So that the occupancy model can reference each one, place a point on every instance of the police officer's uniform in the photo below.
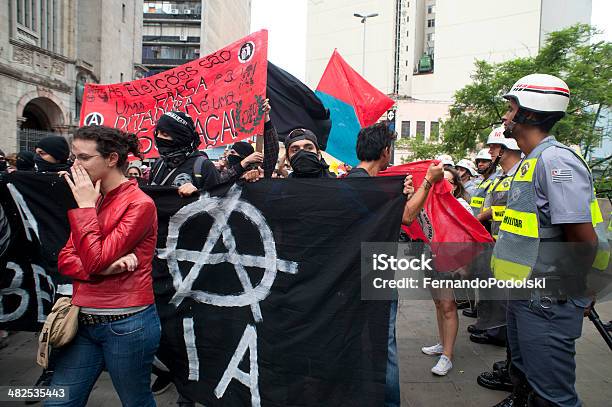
(553, 186)
(478, 198)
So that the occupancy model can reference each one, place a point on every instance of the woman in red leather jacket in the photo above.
(109, 255)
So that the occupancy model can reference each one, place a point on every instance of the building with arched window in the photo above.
(49, 49)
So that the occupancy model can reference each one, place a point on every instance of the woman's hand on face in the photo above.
(85, 193)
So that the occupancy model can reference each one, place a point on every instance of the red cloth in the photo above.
(125, 222)
(450, 221)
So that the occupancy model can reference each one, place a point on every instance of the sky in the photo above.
(285, 21)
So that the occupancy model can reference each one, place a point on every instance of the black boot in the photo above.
(520, 390)
(496, 380)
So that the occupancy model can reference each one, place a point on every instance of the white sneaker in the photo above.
(442, 367)
(434, 350)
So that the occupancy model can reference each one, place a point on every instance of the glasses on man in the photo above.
(82, 157)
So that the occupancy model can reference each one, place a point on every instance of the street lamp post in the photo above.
(364, 17)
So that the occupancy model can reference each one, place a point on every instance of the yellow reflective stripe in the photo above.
(495, 237)
(507, 270)
(520, 223)
(498, 213)
(525, 170)
(484, 184)
(596, 216)
(476, 202)
(503, 186)
(602, 259)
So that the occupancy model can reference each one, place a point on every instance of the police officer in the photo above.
(486, 168)
(508, 155)
(551, 199)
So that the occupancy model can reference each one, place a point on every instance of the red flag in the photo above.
(342, 82)
(223, 93)
(446, 221)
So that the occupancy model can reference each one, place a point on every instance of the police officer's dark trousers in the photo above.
(542, 337)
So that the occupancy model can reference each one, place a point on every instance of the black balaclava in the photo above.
(305, 164)
(184, 141)
(243, 149)
(57, 147)
(25, 161)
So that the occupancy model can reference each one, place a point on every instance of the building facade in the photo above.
(422, 51)
(176, 32)
(49, 49)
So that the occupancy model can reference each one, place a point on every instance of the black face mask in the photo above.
(233, 160)
(45, 166)
(306, 164)
(172, 153)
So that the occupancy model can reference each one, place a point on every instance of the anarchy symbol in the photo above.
(220, 209)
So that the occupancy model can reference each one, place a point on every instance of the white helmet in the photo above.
(446, 159)
(468, 165)
(483, 155)
(497, 137)
(540, 93)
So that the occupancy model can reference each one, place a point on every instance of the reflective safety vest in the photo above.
(477, 200)
(520, 233)
(499, 198)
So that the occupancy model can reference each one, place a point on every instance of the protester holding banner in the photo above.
(180, 163)
(304, 155)
(108, 255)
(52, 154)
(374, 152)
(242, 161)
(444, 298)
(25, 161)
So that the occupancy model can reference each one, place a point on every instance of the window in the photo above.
(406, 79)
(123, 13)
(38, 22)
(430, 37)
(430, 9)
(406, 62)
(121, 77)
(434, 131)
(431, 23)
(407, 33)
(406, 47)
(405, 129)
(420, 130)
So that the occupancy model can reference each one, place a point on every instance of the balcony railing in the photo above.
(164, 16)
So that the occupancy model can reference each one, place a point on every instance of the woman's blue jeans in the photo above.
(125, 348)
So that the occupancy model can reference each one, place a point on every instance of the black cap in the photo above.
(300, 134)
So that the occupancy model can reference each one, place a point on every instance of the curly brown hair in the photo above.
(110, 140)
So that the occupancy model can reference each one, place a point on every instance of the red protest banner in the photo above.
(223, 93)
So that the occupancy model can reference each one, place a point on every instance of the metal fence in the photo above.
(28, 138)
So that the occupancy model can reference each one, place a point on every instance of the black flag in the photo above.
(295, 105)
(257, 287)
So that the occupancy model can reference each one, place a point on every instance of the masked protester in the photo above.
(180, 163)
(241, 159)
(52, 154)
(25, 161)
(302, 151)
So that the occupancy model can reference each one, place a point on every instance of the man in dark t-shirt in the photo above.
(374, 152)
